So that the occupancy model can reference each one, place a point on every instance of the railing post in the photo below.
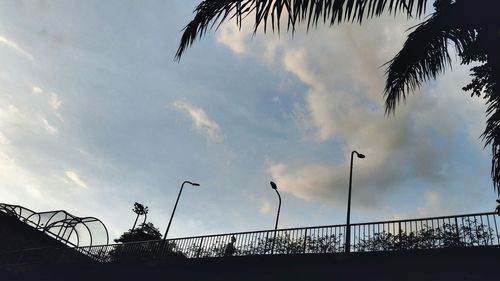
(163, 247)
(101, 250)
(347, 238)
(458, 231)
(399, 236)
(305, 241)
(200, 247)
(274, 242)
(266, 241)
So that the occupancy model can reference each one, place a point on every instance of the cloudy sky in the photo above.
(95, 114)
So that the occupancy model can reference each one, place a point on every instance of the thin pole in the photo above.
(275, 187)
(175, 206)
(135, 221)
(348, 224)
(279, 207)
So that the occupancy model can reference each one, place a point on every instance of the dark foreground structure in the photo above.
(445, 248)
(438, 264)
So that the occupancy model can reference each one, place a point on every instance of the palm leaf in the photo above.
(425, 54)
(491, 136)
(210, 13)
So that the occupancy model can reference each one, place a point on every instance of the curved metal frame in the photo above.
(34, 214)
(9, 209)
(57, 228)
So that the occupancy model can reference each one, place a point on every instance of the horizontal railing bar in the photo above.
(431, 218)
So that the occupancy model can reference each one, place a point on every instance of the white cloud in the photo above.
(16, 181)
(54, 101)
(50, 129)
(243, 41)
(234, 38)
(14, 46)
(12, 119)
(340, 67)
(202, 122)
(52, 98)
(36, 90)
(76, 178)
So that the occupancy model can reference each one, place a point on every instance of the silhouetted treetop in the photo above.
(145, 231)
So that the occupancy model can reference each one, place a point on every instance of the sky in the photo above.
(95, 115)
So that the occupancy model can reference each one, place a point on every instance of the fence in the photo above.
(426, 233)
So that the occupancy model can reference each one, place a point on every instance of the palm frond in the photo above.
(490, 81)
(210, 13)
(491, 136)
(425, 55)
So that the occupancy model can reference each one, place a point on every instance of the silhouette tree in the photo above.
(471, 25)
(152, 246)
(145, 232)
(140, 210)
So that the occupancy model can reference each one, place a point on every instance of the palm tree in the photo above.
(472, 26)
(140, 210)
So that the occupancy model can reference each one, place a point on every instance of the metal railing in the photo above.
(425, 233)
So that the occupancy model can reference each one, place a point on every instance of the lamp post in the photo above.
(175, 206)
(348, 224)
(275, 187)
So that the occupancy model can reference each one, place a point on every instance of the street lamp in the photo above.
(348, 225)
(175, 206)
(275, 187)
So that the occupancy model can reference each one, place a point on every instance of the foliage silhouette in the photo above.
(145, 231)
(432, 233)
(471, 25)
(150, 246)
(283, 244)
(470, 233)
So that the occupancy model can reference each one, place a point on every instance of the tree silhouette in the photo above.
(472, 26)
(151, 246)
(469, 233)
(140, 210)
(145, 232)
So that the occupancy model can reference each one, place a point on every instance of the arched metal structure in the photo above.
(69, 229)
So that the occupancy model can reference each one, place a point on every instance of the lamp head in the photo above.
(359, 155)
(195, 184)
(274, 186)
